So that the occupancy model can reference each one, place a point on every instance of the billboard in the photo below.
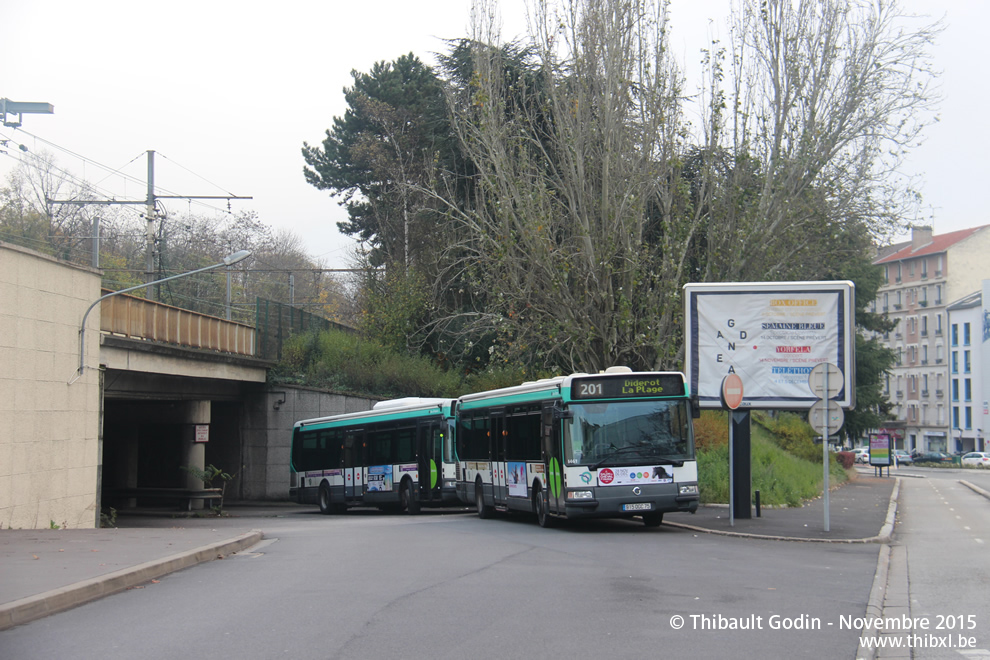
(770, 334)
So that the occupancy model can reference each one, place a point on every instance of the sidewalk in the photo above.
(860, 511)
(47, 571)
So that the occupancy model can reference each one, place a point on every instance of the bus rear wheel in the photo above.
(484, 511)
(409, 502)
(326, 508)
(654, 519)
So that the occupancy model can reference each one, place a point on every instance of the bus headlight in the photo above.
(580, 495)
(689, 490)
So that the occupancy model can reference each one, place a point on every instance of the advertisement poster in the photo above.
(379, 478)
(771, 335)
(516, 479)
(880, 450)
(622, 476)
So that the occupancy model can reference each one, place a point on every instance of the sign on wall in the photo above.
(770, 334)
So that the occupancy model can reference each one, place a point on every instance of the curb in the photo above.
(874, 606)
(883, 537)
(975, 488)
(32, 608)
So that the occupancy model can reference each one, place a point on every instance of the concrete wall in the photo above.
(267, 435)
(50, 452)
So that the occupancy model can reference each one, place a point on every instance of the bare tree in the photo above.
(825, 98)
(595, 204)
(570, 236)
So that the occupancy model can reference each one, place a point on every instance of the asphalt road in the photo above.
(454, 586)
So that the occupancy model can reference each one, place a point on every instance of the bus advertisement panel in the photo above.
(398, 455)
(618, 444)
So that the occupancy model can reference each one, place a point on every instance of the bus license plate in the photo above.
(643, 506)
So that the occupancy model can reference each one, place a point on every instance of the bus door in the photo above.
(498, 438)
(353, 461)
(552, 459)
(430, 452)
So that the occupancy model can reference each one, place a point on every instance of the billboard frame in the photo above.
(744, 310)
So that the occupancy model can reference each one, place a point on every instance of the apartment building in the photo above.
(968, 412)
(923, 277)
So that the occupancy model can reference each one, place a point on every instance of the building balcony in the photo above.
(900, 394)
(924, 394)
(939, 394)
(923, 303)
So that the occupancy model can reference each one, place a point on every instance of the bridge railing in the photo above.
(137, 318)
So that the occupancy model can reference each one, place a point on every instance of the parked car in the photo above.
(932, 457)
(903, 458)
(976, 459)
(861, 455)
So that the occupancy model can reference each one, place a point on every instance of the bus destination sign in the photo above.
(626, 387)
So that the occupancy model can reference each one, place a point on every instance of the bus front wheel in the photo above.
(326, 508)
(540, 506)
(654, 519)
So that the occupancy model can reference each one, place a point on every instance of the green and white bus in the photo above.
(614, 445)
(398, 455)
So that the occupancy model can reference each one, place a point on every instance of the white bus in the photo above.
(613, 445)
(399, 455)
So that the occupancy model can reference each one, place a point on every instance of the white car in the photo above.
(861, 455)
(976, 459)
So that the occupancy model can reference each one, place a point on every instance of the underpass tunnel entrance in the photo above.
(152, 451)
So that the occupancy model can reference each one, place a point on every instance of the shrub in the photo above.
(711, 430)
(846, 459)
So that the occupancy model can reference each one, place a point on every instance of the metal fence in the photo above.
(276, 322)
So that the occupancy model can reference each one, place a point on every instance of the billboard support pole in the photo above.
(825, 451)
(740, 457)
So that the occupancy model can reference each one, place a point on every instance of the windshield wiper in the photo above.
(629, 448)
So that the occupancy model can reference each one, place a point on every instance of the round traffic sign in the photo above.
(817, 418)
(817, 377)
(732, 391)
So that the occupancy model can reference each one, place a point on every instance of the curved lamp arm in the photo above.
(229, 260)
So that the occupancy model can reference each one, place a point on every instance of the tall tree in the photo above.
(593, 208)
(380, 153)
(572, 166)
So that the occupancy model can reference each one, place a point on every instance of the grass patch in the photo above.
(781, 477)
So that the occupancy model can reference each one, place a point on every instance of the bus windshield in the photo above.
(628, 433)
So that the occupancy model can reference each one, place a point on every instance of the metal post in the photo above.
(825, 450)
(228, 293)
(149, 257)
(96, 242)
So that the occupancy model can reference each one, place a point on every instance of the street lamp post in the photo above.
(229, 260)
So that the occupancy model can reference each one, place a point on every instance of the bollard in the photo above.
(757, 504)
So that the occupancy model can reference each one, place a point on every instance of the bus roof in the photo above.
(551, 387)
(394, 408)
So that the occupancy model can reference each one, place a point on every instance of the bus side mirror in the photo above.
(695, 409)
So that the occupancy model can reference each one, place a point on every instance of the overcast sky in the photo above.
(226, 93)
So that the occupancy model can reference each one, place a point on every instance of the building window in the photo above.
(955, 389)
(955, 417)
(966, 364)
(969, 418)
(968, 390)
(955, 362)
(954, 337)
(965, 334)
